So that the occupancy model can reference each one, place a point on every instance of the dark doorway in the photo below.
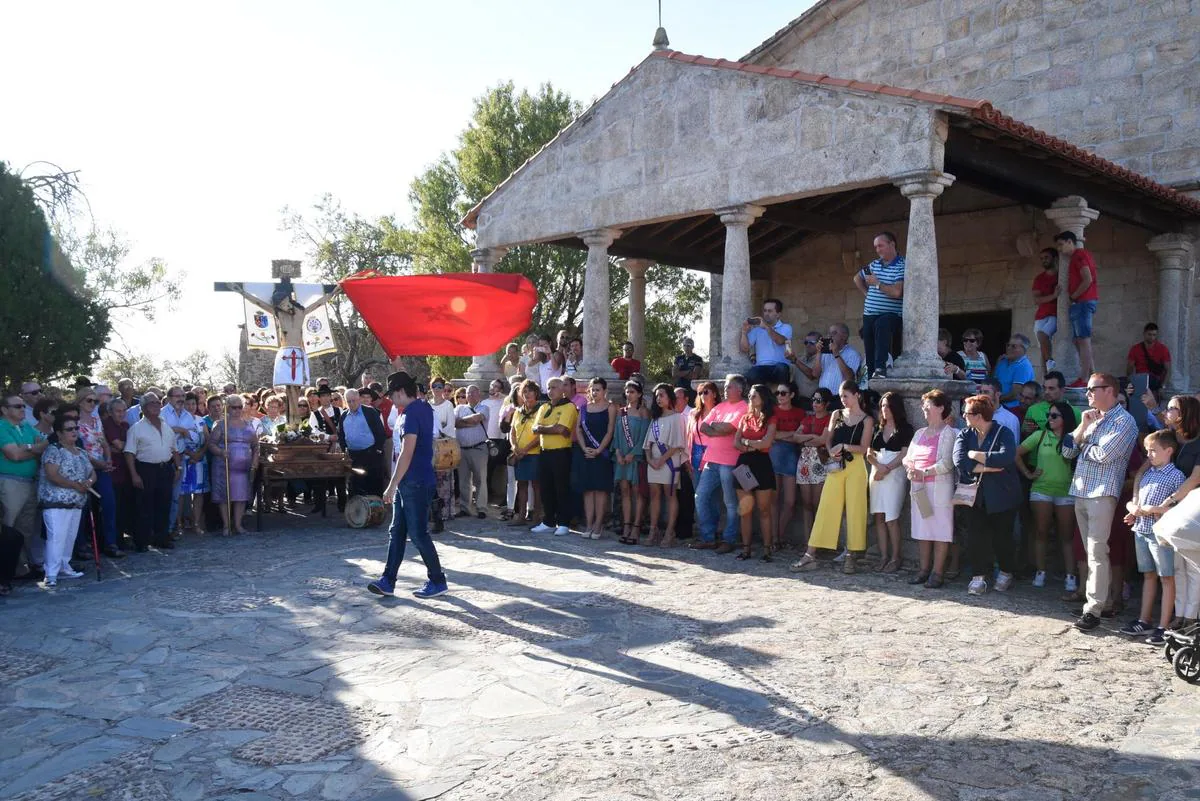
(995, 325)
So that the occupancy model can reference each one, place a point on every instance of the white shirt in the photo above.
(443, 417)
(831, 372)
(183, 419)
(491, 407)
(472, 435)
(546, 371)
(150, 444)
(1009, 420)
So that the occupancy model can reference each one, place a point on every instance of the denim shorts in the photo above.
(1065, 500)
(784, 456)
(1153, 557)
(1047, 326)
(1081, 318)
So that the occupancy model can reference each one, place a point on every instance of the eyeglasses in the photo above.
(438, 386)
(1090, 390)
(66, 429)
(810, 342)
(305, 405)
(818, 399)
(970, 339)
(708, 392)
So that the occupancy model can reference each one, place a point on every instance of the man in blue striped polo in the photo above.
(882, 282)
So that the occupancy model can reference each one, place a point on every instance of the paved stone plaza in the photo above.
(558, 668)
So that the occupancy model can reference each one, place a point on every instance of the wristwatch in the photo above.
(1172, 501)
(28, 448)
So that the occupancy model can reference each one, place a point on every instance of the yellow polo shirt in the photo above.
(562, 413)
(522, 428)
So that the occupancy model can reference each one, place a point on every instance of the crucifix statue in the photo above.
(290, 319)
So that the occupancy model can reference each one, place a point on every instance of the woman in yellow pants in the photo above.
(847, 438)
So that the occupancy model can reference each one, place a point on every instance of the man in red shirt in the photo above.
(625, 364)
(1084, 293)
(1045, 295)
(1150, 356)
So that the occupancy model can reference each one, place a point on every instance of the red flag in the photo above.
(453, 314)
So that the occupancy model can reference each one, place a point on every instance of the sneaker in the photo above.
(1087, 621)
(1135, 629)
(1003, 581)
(879, 373)
(70, 573)
(48, 582)
(382, 586)
(432, 590)
(841, 556)
(1078, 612)
(1051, 365)
(1156, 638)
(562, 531)
(541, 528)
(978, 586)
(1071, 584)
(1039, 579)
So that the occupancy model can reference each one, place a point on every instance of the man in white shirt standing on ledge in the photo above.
(882, 284)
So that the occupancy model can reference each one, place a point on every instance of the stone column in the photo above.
(1068, 214)
(597, 305)
(919, 358)
(486, 366)
(1174, 254)
(715, 285)
(735, 285)
(637, 303)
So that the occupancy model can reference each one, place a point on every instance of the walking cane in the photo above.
(95, 542)
(228, 488)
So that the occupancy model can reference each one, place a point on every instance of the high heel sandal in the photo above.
(891, 566)
(626, 538)
(668, 540)
(768, 554)
(744, 554)
(654, 538)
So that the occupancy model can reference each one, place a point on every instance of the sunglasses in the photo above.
(305, 405)
(1054, 416)
(810, 342)
(818, 399)
(782, 392)
(970, 339)
(438, 386)
(67, 429)
(1090, 390)
(708, 392)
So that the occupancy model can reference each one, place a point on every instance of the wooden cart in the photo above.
(281, 463)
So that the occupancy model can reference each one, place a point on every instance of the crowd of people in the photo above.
(1012, 483)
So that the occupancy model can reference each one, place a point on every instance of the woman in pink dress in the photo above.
(930, 466)
(238, 450)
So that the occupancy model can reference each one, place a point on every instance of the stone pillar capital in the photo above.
(1171, 250)
(484, 259)
(636, 267)
(600, 237)
(923, 183)
(744, 214)
(1071, 213)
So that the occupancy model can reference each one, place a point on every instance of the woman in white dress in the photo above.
(664, 449)
(930, 466)
(889, 484)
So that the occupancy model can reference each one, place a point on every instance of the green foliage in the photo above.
(138, 367)
(53, 325)
(122, 288)
(341, 244)
(506, 129)
(448, 367)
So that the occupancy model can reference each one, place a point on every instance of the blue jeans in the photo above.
(878, 331)
(410, 520)
(769, 374)
(714, 477)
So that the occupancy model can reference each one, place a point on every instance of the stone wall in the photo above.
(674, 139)
(980, 269)
(1120, 77)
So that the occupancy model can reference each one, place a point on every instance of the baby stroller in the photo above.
(1180, 528)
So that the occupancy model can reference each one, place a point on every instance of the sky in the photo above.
(194, 125)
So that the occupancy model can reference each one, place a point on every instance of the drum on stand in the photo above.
(446, 453)
(364, 511)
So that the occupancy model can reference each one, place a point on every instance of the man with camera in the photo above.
(769, 338)
(839, 360)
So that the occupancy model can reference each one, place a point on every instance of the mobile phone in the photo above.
(753, 321)
(826, 345)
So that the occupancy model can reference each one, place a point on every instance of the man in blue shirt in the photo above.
(1013, 370)
(361, 434)
(769, 338)
(411, 489)
(882, 284)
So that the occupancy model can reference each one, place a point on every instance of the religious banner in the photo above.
(318, 336)
(291, 368)
(453, 314)
(262, 332)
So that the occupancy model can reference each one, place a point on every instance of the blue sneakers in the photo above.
(381, 586)
(431, 590)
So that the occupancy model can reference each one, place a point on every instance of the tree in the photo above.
(54, 326)
(122, 288)
(137, 367)
(341, 244)
(506, 129)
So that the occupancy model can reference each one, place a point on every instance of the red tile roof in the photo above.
(980, 111)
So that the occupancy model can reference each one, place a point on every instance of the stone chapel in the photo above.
(974, 129)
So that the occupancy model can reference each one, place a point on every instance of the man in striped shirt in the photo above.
(1103, 441)
(882, 283)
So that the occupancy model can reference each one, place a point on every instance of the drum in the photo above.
(446, 454)
(364, 511)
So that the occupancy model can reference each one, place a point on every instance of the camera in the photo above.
(753, 321)
(826, 345)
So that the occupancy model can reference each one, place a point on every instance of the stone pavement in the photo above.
(258, 667)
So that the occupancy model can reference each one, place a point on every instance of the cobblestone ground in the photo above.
(559, 668)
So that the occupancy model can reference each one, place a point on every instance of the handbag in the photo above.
(744, 476)
(967, 494)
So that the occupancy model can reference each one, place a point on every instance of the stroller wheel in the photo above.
(1170, 648)
(1187, 664)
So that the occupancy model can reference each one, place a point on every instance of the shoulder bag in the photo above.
(967, 494)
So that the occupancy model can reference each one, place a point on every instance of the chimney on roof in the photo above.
(661, 42)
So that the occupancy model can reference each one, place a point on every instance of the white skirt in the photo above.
(887, 494)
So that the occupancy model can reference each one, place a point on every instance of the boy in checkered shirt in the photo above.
(1156, 481)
